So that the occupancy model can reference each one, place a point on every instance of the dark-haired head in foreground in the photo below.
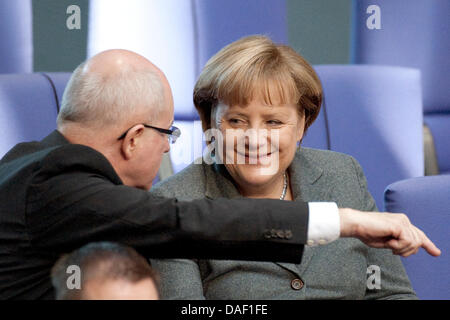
(107, 271)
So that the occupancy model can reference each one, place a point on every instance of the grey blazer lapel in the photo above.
(219, 183)
(308, 184)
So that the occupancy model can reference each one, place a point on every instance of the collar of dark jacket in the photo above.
(101, 163)
(54, 139)
(304, 174)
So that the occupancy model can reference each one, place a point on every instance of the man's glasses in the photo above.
(173, 133)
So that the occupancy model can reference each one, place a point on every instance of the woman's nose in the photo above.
(256, 138)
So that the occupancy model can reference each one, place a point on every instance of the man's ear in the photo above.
(130, 143)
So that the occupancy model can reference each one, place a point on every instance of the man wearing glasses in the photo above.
(173, 133)
(88, 181)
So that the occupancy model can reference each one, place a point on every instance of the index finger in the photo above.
(428, 245)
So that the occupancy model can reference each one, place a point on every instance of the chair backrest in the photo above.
(426, 201)
(221, 22)
(439, 125)
(318, 135)
(16, 34)
(374, 114)
(28, 109)
(59, 81)
(414, 40)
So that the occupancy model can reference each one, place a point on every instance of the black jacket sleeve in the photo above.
(75, 203)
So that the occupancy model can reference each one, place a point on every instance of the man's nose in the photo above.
(167, 146)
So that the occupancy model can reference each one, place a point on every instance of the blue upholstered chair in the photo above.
(16, 34)
(318, 134)
(426, 201)
(28, 109)
(58, 80)
(221, 22)
(374, 114)
(414, 33)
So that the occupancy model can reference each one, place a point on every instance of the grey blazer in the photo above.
(338, 270)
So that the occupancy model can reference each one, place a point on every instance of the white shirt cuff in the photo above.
(324, 223)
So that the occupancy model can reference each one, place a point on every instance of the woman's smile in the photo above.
(256, 158)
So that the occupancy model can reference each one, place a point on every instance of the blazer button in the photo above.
(297, 284)
(280, 234)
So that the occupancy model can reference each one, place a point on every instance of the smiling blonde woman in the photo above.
(258, 86)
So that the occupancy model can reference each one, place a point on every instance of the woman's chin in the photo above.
(255, 175)
(262, 170)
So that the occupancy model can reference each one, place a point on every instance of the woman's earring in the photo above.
(299, 144)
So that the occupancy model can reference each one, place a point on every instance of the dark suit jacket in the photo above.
(56, 196)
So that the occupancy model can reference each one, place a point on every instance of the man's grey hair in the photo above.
(94, 99)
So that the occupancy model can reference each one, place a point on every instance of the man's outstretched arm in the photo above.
(86, 207)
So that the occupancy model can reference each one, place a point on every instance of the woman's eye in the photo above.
(274, 122)
(235, 121)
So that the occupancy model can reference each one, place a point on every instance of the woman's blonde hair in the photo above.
(255, 67)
